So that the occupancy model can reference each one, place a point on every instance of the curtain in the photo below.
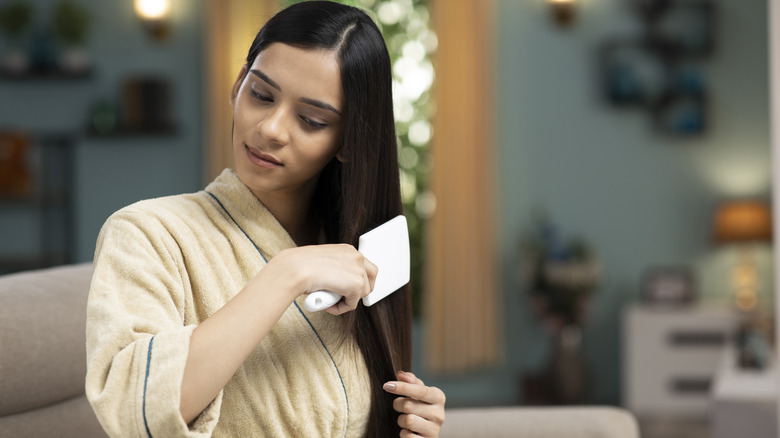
(232, 25)
(462, 293)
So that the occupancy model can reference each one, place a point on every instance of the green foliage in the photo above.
(16, 18)
(71, 22)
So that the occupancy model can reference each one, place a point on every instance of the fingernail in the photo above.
(402, 373)
(389, 386)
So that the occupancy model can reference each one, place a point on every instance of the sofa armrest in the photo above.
(540, 422)
(42, 332)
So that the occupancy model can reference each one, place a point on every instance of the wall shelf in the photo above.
(123, 132)
(39, 200)
(45, 75)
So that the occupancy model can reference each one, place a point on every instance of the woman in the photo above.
(195, 318)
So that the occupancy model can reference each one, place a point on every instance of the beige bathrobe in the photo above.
(164, 265)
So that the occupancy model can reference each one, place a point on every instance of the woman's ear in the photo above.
(237, 84)
(341, 157)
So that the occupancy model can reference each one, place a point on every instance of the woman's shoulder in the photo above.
(166, 209)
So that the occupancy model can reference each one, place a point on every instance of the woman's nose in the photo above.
(273, 126)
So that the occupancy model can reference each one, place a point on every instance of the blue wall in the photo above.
(641, 198)
(111, 173)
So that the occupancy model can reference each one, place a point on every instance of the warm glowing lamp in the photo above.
(155, 15)
(744, 223)
(563, 11)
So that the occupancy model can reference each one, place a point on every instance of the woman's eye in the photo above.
(313, 124)
(259, 96)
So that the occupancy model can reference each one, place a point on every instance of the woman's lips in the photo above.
(262, 160)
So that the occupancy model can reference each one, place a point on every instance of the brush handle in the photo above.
(320, 300)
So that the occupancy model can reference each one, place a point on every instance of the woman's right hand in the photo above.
(213, 358)
(338, 268)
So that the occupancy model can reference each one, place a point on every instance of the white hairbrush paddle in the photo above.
(386, 246)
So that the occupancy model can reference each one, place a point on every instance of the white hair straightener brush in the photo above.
(386, 246)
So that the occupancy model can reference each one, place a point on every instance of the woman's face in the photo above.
(287, 109)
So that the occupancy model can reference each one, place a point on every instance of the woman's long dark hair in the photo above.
(363, 191)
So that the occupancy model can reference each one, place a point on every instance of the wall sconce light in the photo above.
(155, 16)
(744, 223)
(563, 12)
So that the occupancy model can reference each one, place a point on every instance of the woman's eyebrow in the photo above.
(265, 78)
(320, 104)
(306, 100)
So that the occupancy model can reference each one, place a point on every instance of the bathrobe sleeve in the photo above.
(137, 341)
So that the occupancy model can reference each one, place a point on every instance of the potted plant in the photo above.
(71, 25)
(560, 276)
(16, 19)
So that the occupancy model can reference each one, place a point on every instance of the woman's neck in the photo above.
(295, 216)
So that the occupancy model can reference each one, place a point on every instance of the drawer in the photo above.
(670, 358)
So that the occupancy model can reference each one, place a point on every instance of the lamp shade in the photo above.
(743, 221)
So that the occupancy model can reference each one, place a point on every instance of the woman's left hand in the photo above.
(421, 407)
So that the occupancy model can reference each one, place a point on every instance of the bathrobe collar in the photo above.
(260, 226)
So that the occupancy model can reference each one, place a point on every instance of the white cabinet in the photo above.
(670, 357)
(744, 402)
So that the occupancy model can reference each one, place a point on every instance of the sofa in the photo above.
(43, 360)
(42, 369)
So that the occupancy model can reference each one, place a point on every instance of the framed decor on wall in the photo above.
(659, 69)
(687, 28)
(630, 73)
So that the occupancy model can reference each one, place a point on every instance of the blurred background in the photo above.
(587, 181)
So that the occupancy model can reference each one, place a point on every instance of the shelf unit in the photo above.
(51, 201)
(44, 74)
(39, 230)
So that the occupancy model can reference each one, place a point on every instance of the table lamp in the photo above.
(744, 223)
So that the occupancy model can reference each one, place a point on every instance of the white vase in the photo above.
(15, 61)
(74, 60)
